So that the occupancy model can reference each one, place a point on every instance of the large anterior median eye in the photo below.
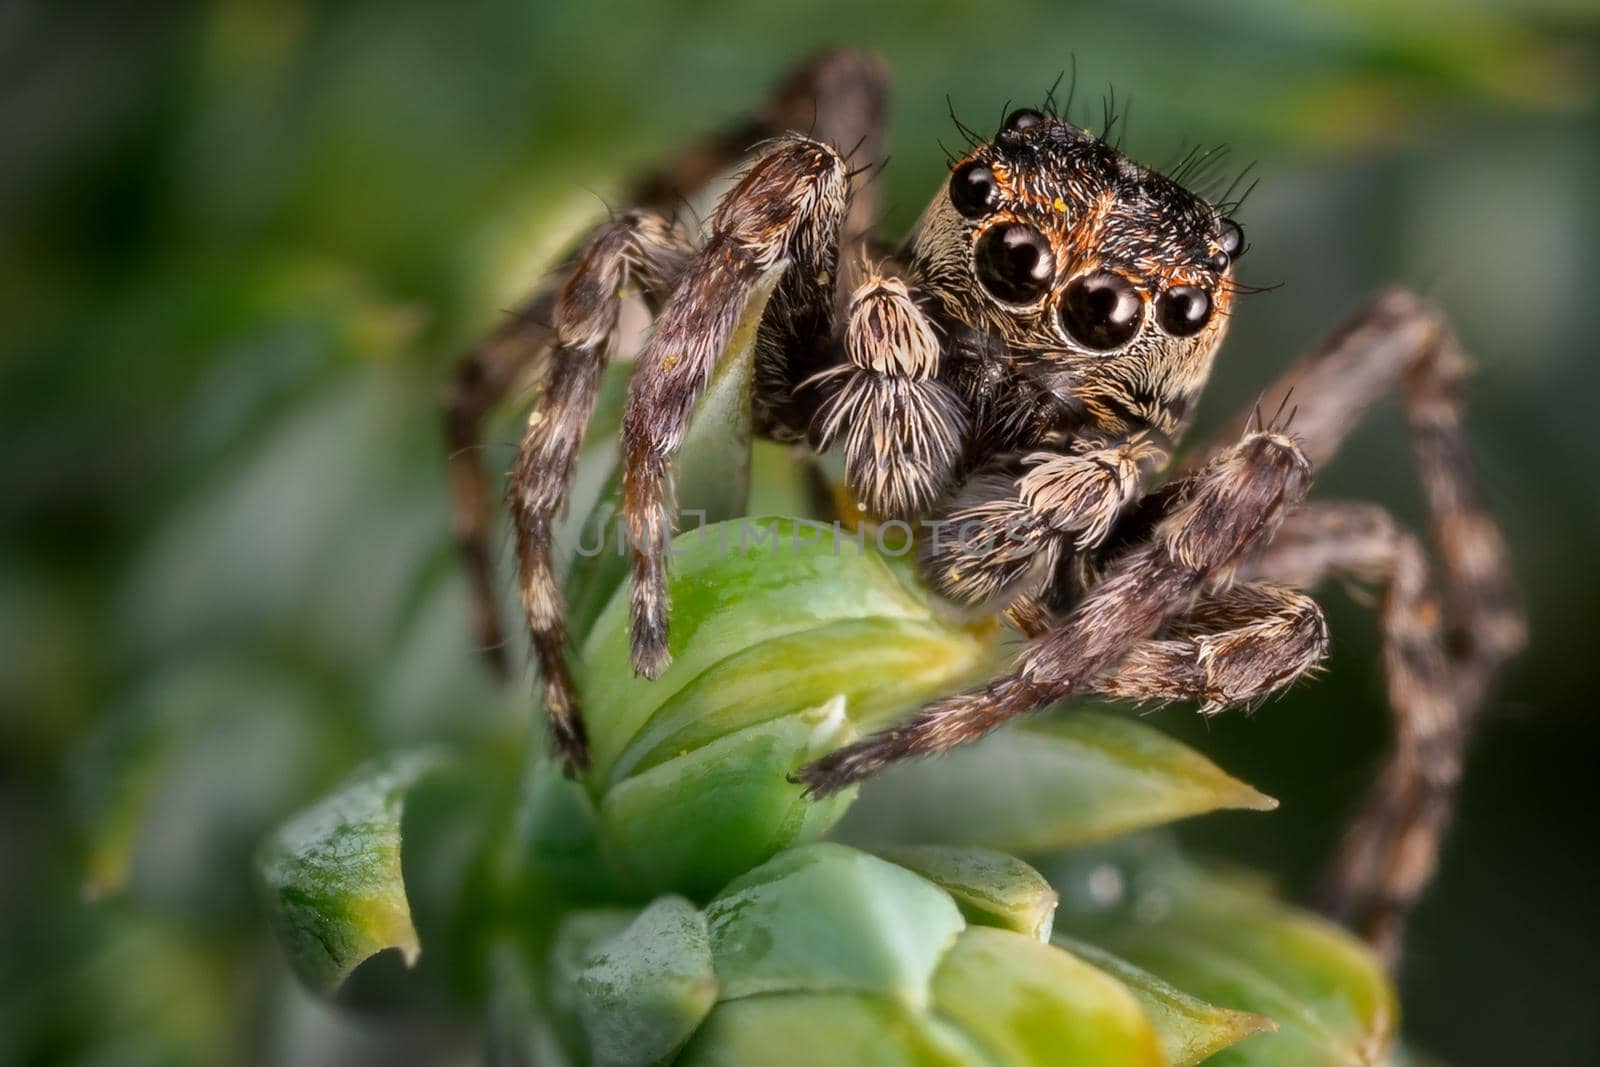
(1184, 310)
(1101, 311)
(1014, 262)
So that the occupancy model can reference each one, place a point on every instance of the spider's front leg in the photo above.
(1237, 647)
(1221, 514)
(784, 213)
(640, 250)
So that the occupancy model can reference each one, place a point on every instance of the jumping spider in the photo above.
(1027, 362)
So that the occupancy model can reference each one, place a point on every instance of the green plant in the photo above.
(678, 904)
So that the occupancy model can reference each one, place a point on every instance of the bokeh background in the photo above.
(241, 242)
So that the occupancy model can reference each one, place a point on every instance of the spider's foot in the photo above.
(570, 741)
(845, 767)
(649, 652)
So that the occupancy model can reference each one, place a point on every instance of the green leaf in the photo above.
(1233, 945)
(807, 1029)
(556, 837)
(1030, 1003)
(692, 823)
(1078, 777)
(750, 598)
(331, 875)
(578, 937)
(876, 666)
(1190, 1028)
(826, 918)
(518, 1031)
(990, 888)
(643, 992)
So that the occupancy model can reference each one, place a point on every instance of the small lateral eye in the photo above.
(1023, 118)
(1101, 311)
(1184, 310)
(1231, 237)
(1015, 263)
(974, 190)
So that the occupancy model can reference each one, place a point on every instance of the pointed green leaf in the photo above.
(808, 1029)
(1079, 777)
(1028, 1003)
(1235, 946)
(772, 585)
(691, 823)
(991, 888)
(824, 918)
(642, 993)
(876, 666)
(1190, 1028)
(331, 876)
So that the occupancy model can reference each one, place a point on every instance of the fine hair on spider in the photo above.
(1025, 362)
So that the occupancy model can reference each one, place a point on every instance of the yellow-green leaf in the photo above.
(1232, 944)
(1028, 1003)
(331, 875)
(991, 888)
(824, 918)
(1077, 777)
(1190, 1028)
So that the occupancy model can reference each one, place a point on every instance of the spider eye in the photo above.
(1102, 311)
(1184, 310)
(974, 190)
(1014, 262)
(1231, 237)
(1023, 118)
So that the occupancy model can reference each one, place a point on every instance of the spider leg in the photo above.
(837, 96)
(481, 378)
(1391, 849)
(1220, 514)
(1238, 646)
(838, 93)
(1440, 671)
(638, 249)
(785, 213)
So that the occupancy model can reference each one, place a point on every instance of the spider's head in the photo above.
(1093, 269)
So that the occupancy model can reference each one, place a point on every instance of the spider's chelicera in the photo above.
(1023, 365)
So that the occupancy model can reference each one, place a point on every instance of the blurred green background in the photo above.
(241, 242)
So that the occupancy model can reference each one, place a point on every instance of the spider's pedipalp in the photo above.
(637, 249)
(903, 430)
(785, 212)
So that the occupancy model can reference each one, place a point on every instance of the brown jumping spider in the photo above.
(1024, 365)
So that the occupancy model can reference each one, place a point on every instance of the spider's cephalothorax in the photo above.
(1107, 283)
(1017, 375)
